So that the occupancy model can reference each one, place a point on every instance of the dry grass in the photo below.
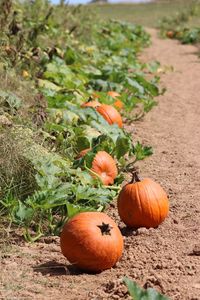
(16, 172)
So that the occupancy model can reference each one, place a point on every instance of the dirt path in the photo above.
(163, 258)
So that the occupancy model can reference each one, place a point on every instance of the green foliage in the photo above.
(9, 101)
(68, 58)
(177, 26)
(138, 293)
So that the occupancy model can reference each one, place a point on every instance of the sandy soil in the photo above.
(166, 258)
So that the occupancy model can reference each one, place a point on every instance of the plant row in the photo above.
(84, 86)
(179, 27)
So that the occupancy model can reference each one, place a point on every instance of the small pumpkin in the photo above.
(83, 153)
(92, 103)
(118, 104)
(110, 114)
(91, 241)
(170, 34)
(104, 165)
(113, 94)
(142, 203)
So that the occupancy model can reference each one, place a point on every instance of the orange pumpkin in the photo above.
(113, 94)
(83, 152)
(93, 103)
(91, 241)
(110, 114)
(118, 104)
(170, 34)
(142, 203)
(104, 165)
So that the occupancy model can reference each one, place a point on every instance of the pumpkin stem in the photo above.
(135, 177)
(105, 228)
(90, 99)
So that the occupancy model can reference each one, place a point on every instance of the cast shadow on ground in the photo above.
(196, 53)
(54, 268)
(127, 231)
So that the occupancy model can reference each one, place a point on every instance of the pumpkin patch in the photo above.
(76, 86)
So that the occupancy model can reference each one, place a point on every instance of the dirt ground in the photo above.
(167, 258)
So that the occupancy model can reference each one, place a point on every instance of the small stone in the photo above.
(164, 152)
(142, 230)
(115, 297)
(196, 285)
(175, 221)
(196, 250)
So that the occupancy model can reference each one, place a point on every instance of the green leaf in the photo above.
(73, 209)
(137, 293)
(88, 158)
(46, 84)
(82, 143)
(141, 151)
(135, 85)
(10, 99)
(122, 146)
(23, 214)
(70, 56)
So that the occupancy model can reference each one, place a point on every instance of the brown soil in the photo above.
(166, 258)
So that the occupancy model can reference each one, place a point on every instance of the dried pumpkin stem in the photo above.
(105, 228)
(135, 177)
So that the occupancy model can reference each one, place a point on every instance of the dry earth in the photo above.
(166, 258)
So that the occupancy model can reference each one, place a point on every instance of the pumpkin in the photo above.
(105, 167)
(110, 114)
(113, 94)
(142, 203)
(118, 104)
(92, 103)
(170, 34)
(91, 241)
(83, 152)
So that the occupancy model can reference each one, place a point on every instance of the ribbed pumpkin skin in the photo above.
(93, 103)
(104, 165)
(84, 245)
(143, 204)
(110, 114)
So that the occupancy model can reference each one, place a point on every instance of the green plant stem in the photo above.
(115, 188)
(31, 239)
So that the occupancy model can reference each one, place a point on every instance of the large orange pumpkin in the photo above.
(104, 165)
(142, 203)
(92, 103)
(110, 114)
(91, 241)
